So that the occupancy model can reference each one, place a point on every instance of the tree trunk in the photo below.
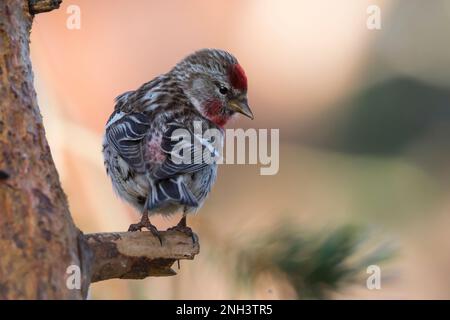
(38, 238)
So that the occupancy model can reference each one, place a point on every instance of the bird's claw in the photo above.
(186, 230)
(138, 226)
(155, 232)
(135, 227)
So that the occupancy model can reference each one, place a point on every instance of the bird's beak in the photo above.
(242, 107)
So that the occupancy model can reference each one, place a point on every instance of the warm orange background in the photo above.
(302, 59)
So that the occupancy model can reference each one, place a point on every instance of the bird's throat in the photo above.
(214, 112)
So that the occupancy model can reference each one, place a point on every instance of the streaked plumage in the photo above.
(137, 143)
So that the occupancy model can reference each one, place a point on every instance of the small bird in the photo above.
(207, 87)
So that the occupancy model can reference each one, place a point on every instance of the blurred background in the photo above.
(364, 121)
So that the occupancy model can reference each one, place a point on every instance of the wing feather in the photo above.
(126, 135)
(186, 151)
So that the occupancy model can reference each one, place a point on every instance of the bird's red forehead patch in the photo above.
(238, 79)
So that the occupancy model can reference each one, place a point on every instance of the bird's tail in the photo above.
(172, 190)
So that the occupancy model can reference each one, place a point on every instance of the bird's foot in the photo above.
(135, 227)
(186, 230)
(146, 224)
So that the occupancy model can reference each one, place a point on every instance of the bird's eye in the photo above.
(223, 90)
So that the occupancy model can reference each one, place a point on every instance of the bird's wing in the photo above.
(125, 132)
(188, 150)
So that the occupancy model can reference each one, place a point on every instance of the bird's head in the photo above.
(215, 83)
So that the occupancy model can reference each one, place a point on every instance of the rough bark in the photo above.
(38, 239)
(39, 6)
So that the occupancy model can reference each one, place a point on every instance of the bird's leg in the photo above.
(145, 223)
(182, 227)
(182, 223)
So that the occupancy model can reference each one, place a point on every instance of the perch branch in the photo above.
(39, 6)
(137, 255)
